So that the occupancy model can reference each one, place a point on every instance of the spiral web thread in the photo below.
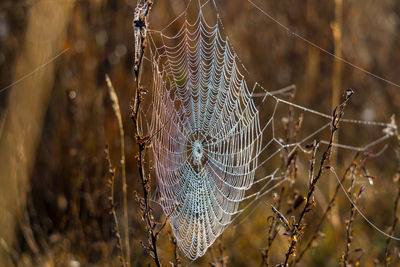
(206, 133)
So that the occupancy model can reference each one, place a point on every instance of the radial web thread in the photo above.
(206, 133)
(205, 156)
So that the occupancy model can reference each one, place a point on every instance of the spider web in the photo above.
(214, 152)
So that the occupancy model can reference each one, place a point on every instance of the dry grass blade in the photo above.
(117, 111)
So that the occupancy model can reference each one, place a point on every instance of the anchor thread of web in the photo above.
(206, 134)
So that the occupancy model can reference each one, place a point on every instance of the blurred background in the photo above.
(56, 118)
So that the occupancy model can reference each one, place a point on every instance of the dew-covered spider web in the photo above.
(217, 137)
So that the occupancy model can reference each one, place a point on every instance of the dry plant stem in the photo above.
(272, 232)
(396, 201)
(111, 182)
(117, 111)
(177, 258)
(351, 169)
(349, 223)
(140, 27)
(337, 32)
(292, 129)
(297, 228)
(219, 260)
(337, 26)
(393, 228)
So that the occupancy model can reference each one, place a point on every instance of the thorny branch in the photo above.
(296, 230)
(140, 25)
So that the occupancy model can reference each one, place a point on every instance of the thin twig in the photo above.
(218, 258)
(272, 231)
(316, 234)
(298, 227)
(349, 223)
(393, 228)
(396, 179)
(140, 24)
(289, 164)
(177, 258)
(110, 183)
(117, 111)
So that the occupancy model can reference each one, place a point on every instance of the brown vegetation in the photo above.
(64, 202)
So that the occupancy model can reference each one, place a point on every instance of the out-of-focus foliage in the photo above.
(66, 219)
